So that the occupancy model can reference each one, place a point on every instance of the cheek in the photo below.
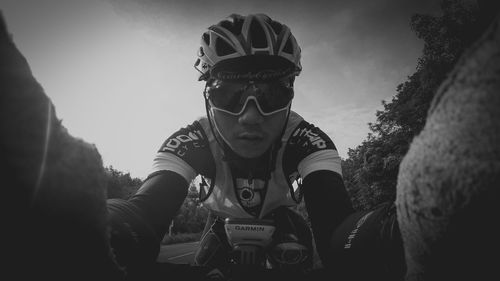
(275, 124)
(224, 123)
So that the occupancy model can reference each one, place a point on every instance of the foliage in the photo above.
(192, 216)
(119, 184)
(371, 169)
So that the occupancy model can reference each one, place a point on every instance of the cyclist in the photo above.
(250, 150)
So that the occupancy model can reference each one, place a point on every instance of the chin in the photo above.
(249, 153)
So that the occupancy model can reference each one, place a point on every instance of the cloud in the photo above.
(121, 72)
(347, 126)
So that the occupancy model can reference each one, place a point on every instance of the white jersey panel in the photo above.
(164, 161)
(320, 160)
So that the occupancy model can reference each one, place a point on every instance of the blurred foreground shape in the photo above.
(449, 181)
(53, 187)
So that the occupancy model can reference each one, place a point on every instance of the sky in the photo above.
(121, 74)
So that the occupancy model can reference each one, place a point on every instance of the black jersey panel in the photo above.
(191, 145)
(304, 140)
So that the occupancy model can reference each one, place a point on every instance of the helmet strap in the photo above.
(277, 144)
(216, 134)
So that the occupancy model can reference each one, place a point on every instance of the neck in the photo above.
(255, 165)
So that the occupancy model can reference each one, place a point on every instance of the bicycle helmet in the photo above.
(251, 47)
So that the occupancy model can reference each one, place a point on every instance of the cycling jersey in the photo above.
(235, 192)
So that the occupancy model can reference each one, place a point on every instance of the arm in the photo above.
(353, 245)
(159, 198)
(311, 153)
(327, 204)
(139, 224)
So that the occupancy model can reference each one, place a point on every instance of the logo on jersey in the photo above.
(180, 144)
(314, 138)
(304, 140)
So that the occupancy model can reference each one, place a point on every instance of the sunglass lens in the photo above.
(231, 96)
(275, 97)
(226, 98)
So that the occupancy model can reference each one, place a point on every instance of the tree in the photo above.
(371, 169)
(192, 216)
(119, 184)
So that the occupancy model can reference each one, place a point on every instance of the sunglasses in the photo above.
(232, 97)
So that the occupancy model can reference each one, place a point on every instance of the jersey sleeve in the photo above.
(186, 152)
(309, 149)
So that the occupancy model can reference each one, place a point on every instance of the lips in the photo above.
(250, 144)
(251, 136)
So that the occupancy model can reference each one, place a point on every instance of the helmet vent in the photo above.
(288, 46)
(222, 48)
(259, 39)
(206, 38)
(233, 26)
(276, 27)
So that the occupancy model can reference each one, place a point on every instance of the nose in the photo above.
(251, 115)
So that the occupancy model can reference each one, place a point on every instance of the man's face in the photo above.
(250, 134)
(250, 115)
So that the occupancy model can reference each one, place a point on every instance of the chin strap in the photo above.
(276, 147)
(211, 123)
(277, 144)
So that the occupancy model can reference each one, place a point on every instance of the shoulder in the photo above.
(306, 137)
(308, 148)
(185, 140)
(190, 146)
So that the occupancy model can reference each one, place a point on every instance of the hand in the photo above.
(134, 243)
